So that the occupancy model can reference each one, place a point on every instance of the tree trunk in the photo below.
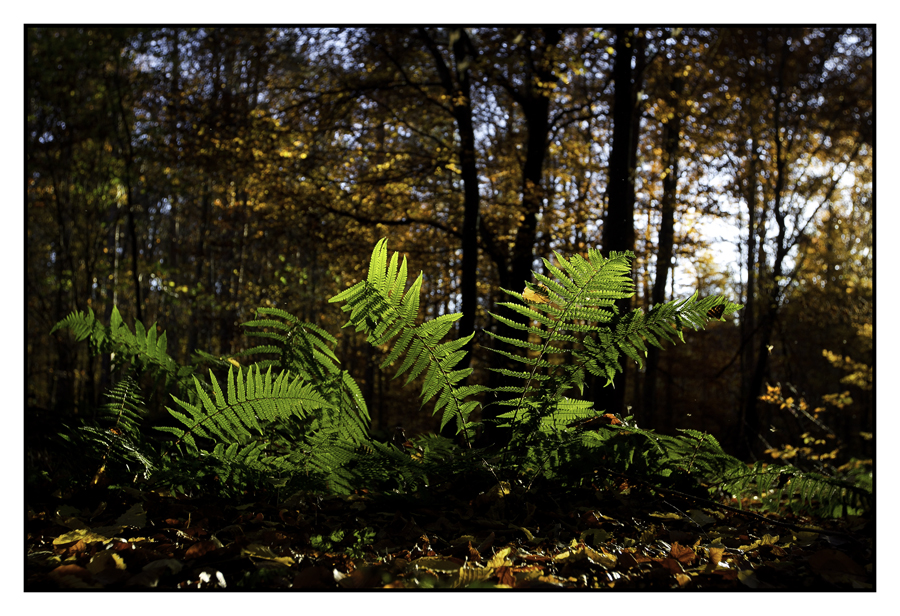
(665, 250)
(535, 104)
(457, 84)
(748, 316)
(462, 112)
(618, 222)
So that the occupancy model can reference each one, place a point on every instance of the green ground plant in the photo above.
(283, 417)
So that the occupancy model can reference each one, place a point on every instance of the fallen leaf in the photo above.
(500, 559)
(505, 577)
(82, 534)
(105, 560)
(667, 515)
(682, 554)
(700, 518)
(70, 570)
(264, 552)
(199, 549)
(76, 549)
(438, 563)
(715, 555)
(72, 576)
(804, 538)
(135, 517)
(671, 565)
(595, 536)
(468, 575)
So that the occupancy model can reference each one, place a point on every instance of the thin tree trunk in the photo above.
(462, 112)
(750, 424)
(748, 316)
(664, 252)
(457, 84)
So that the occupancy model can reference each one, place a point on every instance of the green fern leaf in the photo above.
(231, 419)
(376, 307)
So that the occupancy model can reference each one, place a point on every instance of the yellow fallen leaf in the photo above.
(255, 550)
(82, 534)
(531, 296)
(542, 296)
(467, 575)
(500, 559)
(715, 555)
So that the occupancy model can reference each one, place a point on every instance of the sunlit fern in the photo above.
(379, 307)
(293, 418)
(573, 328)
(306, 350)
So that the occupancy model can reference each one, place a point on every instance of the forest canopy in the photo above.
(187, 176)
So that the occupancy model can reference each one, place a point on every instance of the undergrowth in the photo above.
(283, 417)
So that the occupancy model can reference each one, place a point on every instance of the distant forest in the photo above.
(188, 176)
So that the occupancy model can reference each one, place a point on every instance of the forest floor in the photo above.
(583, 538)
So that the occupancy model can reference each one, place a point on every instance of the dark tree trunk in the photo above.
(457, 85)
(462, 113)
(535, 105)
(664, 253)
(618, 222)
(748, 317)
(195, 324)
(750, 421)
(127, 150)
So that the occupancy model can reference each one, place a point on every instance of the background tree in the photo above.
(789, 85)
(82, 178)
(188, 175)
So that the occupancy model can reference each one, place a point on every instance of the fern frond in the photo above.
(328, 455)
(376, 308)
(250, 402)
(144, 350)
(306, 350)
(124, 410)
(777, 486)
(697, 456)
(574, 312)
(114, 435)
(84, 327)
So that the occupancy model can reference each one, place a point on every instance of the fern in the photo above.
(251, 403)
(377, 308)
(267, 428)
(294, 419)
(574, 329)
(695, 462)
(124, 411)
(303, 349)
(577, 307)
(141, 351)
(115, 434)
